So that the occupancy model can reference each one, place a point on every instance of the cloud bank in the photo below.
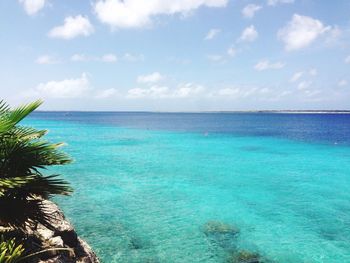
(136, 14)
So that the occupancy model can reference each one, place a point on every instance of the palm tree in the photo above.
(24, 155)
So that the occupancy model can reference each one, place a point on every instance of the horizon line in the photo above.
(214, 111)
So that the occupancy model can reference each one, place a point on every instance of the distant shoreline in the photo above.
(247, 111)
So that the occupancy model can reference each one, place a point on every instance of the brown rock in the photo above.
(43, 233)
(56, 242)
(63, 236)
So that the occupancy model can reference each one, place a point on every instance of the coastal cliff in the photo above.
(61, 243)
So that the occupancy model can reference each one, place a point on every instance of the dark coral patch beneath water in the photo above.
(224, 235)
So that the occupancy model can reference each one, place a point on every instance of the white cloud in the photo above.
(334, 36)
(156, 94)
(135, 13)
(152, 92)
(47, 59)
(275, 2)
(342, 83)
(313, 72)
(301, 31)
(312, 93)
(249, 10)
(32, 6)
(215, 58)
(151, 78)
(192, 91)
(212, 33)
(230, 92)
(68, 88)
(296, 76)
(249, 34)
(347, 60)
(177, 60)
(231, 51)
(266, 64)
(72, 27)
(236, 92)
(109, 58)
(107, 93)
(133, 57)
(79, 58)
(186, 90)
(304, 85)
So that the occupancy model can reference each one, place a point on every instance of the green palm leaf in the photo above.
(10, 118)
(24, 156)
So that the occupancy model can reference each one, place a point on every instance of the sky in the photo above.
(176, 55)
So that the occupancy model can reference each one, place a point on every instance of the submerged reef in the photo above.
(226, 237)
(223, 234)
(245, 256)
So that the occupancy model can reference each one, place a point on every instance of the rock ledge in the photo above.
(62, 236)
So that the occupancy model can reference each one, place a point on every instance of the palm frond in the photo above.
(19, 213)
(27, 133)
(4, 107)
(21, 112)
(34, 185)
(8, 184)
(10, 118)
(24, 155)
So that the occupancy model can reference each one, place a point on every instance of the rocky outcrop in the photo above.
(62, 243)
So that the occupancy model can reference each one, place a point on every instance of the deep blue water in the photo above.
(146, 184)
(328, 128)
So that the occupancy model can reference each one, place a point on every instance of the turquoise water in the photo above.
(144, 195)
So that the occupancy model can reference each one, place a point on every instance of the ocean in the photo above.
(147, 184)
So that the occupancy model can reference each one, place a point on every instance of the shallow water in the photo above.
(146, 184)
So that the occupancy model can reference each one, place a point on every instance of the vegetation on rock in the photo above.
(24, 155)
(31, 227)
(10, 252)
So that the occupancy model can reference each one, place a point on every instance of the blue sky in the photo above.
(176, 55)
